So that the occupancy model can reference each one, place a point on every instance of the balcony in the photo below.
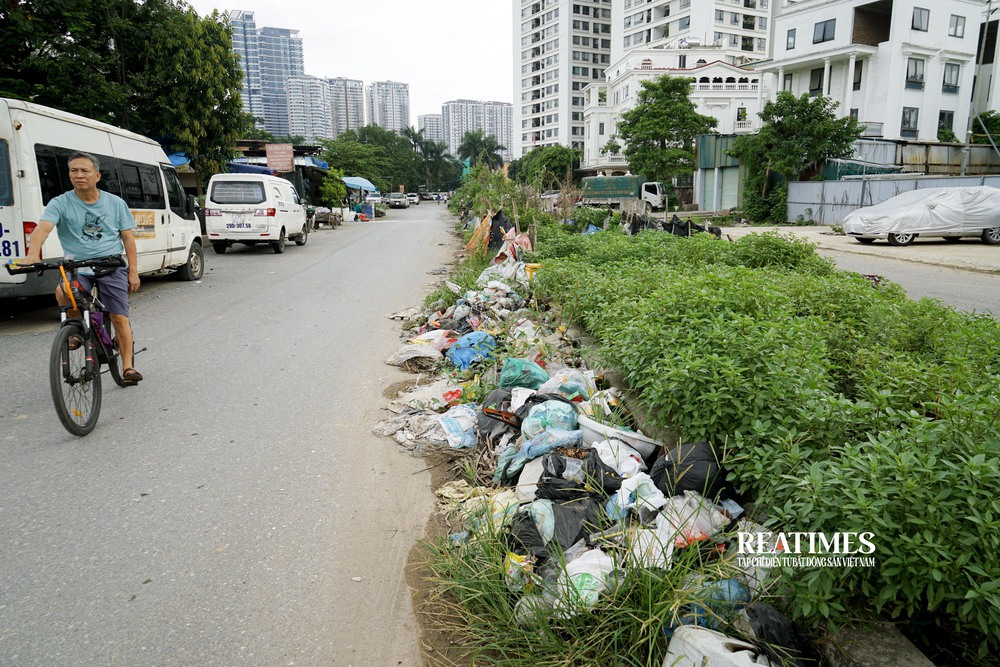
(745, 126)
(734, 87)
(871, 129)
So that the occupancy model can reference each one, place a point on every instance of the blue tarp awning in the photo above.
(241, 168)
(358, 183)
(178, 159)
(316, 162)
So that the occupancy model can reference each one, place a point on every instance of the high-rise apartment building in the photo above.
(560, 47)
(245, 46)
(494, 119)
(309, 107)
(433, 126)
(347, 103)
(280, 57)
(389, 105)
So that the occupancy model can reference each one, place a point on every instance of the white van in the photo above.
(35, 143)
(254, 208)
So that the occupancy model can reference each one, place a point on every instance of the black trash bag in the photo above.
(688, 467)
(495, 418)
(499, 225)
(679, 228)
(523, 537)
(568, 474)
(778, 637)
(574, 521)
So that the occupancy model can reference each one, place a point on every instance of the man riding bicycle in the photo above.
(94, 223)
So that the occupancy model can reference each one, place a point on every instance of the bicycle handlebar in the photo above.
(109, 261)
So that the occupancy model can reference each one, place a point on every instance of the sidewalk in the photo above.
(967, 254)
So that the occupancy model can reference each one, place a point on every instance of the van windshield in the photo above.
(6, 189)
(237, 192)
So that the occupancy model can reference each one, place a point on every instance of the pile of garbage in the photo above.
(578, 494)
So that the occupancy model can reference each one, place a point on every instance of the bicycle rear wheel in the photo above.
(75, 381)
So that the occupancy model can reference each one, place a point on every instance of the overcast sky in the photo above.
(444, 49)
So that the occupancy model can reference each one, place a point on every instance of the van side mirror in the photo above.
(189, 204)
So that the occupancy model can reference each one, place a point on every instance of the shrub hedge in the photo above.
(842, 405)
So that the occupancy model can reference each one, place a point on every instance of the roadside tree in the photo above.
(798, 133)
(480, 148)
(545, 166)
(333, 190)
(659, 133)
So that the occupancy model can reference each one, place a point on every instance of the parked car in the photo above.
(413, 197)
(398, 200)
(427, 196)
(949, 213)
(374, 198)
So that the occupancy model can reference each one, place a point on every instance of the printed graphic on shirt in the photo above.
(92, 227)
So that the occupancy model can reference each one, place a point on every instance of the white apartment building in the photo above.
(560, 47)
(729, 93)
(389, 105)
(347, 104)
(432, 125)
(740, 26)
(493, 119)
(309, 107)
(904, 68)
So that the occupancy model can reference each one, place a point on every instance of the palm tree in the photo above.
(415, 137)
(433, 153)
(478, 148)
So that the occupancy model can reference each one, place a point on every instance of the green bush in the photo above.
(842, 405)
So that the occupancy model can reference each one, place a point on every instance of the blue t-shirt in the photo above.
(89, 230)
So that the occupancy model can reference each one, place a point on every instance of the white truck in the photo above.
(35, 143)
(629, 193)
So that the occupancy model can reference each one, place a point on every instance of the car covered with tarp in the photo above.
(949, 213)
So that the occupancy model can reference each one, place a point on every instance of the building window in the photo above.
(734, 18)
(816, 82)
(741, 114)
(685, 4)
(946, 120)
(682, 62)
(956, 26)
(824, 31)
(761, 44)
(908, 128)
(787, 83)
(921, 19)
(720, 16)
(915, 73)
(600, 129)
(952, 72)
(857, 75)
(854, 113)
(790, 39)
(684, 23)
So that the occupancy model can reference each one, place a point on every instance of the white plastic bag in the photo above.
(582, 582)
(623, 458)
(695, 646)
(691, 518)
(459, 424)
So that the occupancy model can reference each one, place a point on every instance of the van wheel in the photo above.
(304, 236)
(195, 266)
(279, 246)
(219, 247)
(991, 236)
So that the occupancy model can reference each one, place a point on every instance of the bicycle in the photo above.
(85, 341)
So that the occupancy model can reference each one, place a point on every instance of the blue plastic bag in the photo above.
(471, 348)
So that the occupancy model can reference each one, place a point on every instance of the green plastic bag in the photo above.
(522, 373)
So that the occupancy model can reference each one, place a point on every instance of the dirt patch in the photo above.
(439, 648)
(393, 391)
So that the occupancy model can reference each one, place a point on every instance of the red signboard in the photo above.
(280, 157)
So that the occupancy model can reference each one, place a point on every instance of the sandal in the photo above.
(131, 376)
(74, 342)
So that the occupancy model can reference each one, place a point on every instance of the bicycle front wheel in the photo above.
(75, 380)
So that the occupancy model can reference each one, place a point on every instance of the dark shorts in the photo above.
(112, 288)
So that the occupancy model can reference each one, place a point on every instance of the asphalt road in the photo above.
(233, 509)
